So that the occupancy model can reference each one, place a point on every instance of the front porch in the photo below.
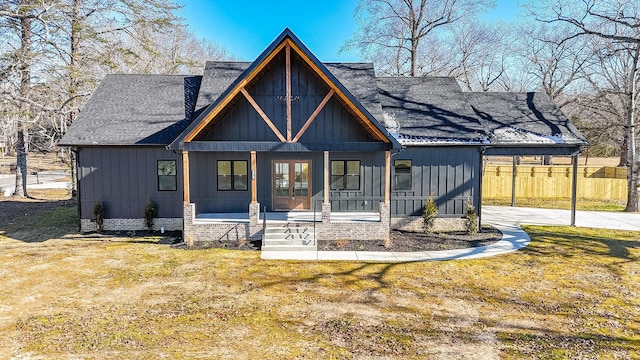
(250, 226)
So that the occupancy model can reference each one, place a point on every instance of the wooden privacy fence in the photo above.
(555, 182)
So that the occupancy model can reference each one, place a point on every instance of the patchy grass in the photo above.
(29, 220)
(559, 203)
(51, 194)
(571, 294)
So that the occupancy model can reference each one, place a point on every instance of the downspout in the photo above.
(574, 186)
(76, 153)
(513, 180)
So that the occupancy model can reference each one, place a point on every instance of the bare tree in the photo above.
(557, 63)
(604, 104)
(176, 52)
(480, 56)
(22, 21)
(399, 30)
(54, 52)
(617, 22)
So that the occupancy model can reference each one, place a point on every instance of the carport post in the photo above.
(513, 181)
(574, 188)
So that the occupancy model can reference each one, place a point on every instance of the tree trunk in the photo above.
(624, 153)
(21, 166)
(633, 168)
(25, 86)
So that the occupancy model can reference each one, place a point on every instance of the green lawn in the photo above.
(571, 294)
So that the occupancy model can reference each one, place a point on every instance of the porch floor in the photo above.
(290, 216)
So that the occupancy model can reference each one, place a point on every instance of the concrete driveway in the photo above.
(44, 180)
(531, 216)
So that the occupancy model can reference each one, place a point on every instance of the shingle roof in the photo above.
(417, 111)
(360, 80)
(217, 77)
(135, 109)
(527, 118)
(428, 111)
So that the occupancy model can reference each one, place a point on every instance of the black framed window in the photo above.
(402, 174)
(345, 175)
(233, 175)
(167, 175)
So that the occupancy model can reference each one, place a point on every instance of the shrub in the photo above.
(149, 215)
(340, 243)
(98, 214)
(472, 218)
(429, 215)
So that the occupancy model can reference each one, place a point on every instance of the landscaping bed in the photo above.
(408, 241)
(401, 241)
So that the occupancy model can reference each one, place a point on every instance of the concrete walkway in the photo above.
(506, 219)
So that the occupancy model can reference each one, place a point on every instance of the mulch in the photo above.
(401, 241)
(408, 241)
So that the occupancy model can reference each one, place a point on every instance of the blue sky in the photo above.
(246, 27)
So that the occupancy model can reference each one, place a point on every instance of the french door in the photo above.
(291, 184)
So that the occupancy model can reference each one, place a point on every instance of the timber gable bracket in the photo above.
(286, 45)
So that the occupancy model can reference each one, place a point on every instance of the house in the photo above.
(285, 133)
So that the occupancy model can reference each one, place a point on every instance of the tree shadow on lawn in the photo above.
(33, 220)
(531, 341)
(578, 243)
(377, 276)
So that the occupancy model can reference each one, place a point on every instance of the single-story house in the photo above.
(288, 133)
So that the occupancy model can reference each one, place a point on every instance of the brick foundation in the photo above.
(195, 231)
(169, 224)
(414, 223)
(353, 230)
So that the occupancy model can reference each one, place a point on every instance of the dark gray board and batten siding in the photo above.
(243, 123)
(208, 199)
(449, 174)
(124, 179)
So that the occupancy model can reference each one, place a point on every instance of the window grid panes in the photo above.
(167, 176)
(233, 175)
(345, 175)
(402, 175)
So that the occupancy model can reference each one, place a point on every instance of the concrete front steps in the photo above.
(289, 238)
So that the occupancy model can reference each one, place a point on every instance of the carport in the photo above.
(527, 124)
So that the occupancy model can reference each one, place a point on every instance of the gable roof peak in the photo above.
(289, 42)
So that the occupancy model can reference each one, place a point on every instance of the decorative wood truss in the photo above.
(287, 45)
